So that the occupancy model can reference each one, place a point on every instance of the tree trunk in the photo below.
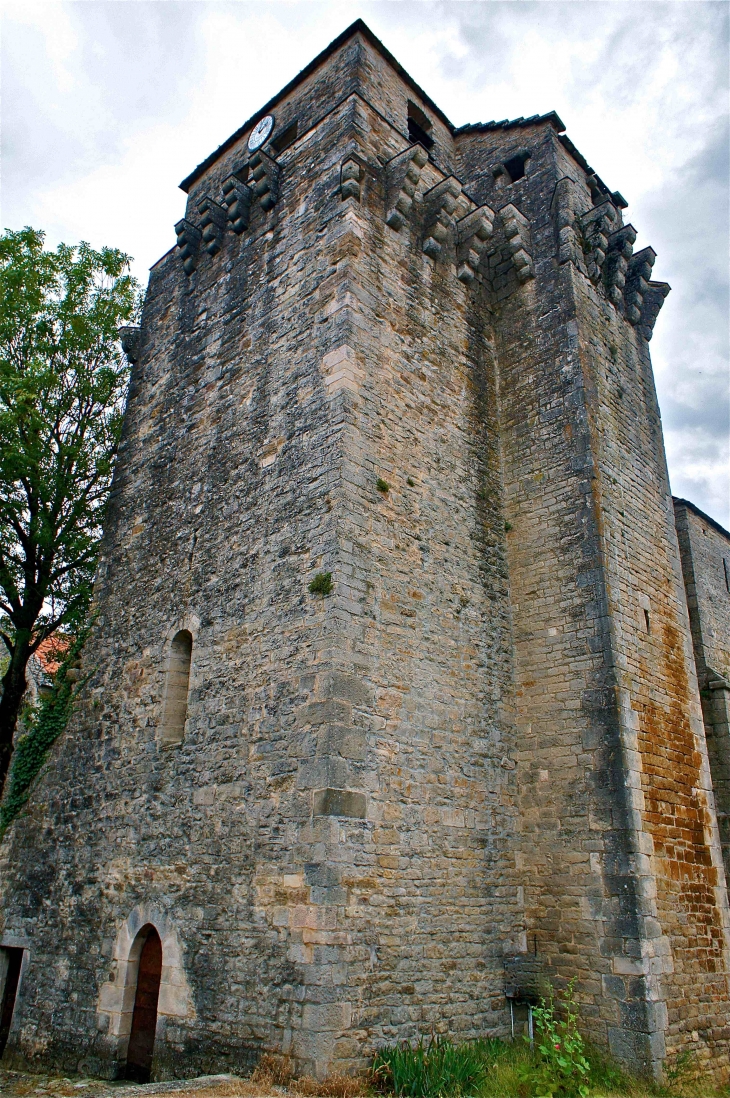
(14, 687)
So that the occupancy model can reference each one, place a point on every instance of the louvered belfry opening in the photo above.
(144, 1019)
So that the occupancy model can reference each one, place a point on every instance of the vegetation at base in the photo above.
(558, 1064)
(45, 724)
(382, 485)
(321, 584)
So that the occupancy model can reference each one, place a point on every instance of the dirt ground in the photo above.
(18, 1084)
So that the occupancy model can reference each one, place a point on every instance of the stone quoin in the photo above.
(393, 711)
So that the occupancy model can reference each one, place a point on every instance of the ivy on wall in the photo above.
(45, 724)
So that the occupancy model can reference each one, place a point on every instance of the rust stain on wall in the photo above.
(677, 814)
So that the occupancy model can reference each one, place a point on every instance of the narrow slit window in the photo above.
(286, 138)
(647, 621)
(726, 568)
(419, 126)
(177, 682)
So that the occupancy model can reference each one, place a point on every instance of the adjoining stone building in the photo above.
(413, 359)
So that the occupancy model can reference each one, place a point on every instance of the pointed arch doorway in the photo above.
(144, 1018)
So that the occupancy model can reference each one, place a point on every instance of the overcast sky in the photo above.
(107, 105)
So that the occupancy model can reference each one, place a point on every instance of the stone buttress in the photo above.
(413, 358)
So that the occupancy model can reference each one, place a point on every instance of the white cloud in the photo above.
(107, 106)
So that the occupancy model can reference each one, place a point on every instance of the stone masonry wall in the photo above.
(401, 368)
(705, 553)
(327, 854)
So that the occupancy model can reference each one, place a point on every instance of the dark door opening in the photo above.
(15, 960)
(144, 1018)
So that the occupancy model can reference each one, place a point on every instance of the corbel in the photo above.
(212, 224)
(237, 198)
(188, 241)
(265, 172)
(569, 249)
(654, 298)
(637, 283)
(472, 234)
(402, 174)
(350, 176)
(619, 252)
(441, 205)
(517, 230)
(130, 337)
(597, 225)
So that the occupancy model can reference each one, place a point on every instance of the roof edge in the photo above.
(358, 27)
(512, 123)
(693, 507)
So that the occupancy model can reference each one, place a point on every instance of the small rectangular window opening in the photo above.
(726, 568)
(419, 126)
(515, 167)
(13, 960)
(286, 138)
(647, 619)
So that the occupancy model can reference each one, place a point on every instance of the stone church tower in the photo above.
(392, 709)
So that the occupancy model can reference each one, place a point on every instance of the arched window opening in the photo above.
(144, 1019)
(177, 682)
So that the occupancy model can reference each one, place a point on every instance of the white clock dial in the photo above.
(261, 132)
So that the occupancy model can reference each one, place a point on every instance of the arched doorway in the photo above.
(144, 1018)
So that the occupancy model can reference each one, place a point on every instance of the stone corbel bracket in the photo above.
(517, 230)
(237, 198)
(350, 177)
(402, 174)
(189, 237)
(619, 252)
(637, 283)
(563, 204)
(597, 225)
(472, 235)
(130, 337)
(212, 224)
(653, 300)
(265, 173)
(442, 204)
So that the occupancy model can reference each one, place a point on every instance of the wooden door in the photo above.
(144, 1019)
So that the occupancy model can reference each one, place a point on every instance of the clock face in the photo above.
(261, 132)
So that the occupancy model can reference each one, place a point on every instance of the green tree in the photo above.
(63, 379)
